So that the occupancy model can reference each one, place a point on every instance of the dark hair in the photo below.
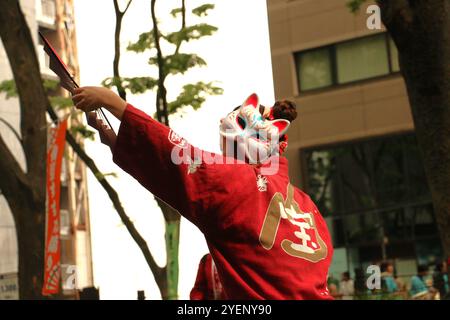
(422, 268)
(284, 109)
(384, 266)
(439, 265)
(346, 274)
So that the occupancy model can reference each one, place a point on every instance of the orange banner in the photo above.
(55, 151)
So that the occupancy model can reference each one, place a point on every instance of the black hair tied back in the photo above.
(284, 109)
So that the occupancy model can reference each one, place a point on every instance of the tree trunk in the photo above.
(171, 216)
(421, 31)
(172, 239)
(30, 228)
(25, 193)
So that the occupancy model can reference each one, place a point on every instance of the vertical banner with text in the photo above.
(55, 151)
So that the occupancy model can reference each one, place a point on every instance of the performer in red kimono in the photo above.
(267, 238)
(207, 284)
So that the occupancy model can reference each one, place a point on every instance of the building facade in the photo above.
(353, 146)
(55, 20)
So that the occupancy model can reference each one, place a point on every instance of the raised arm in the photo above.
(163, 162)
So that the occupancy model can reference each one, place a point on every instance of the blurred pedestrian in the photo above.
(440, 280)
(333, 285)
(360, 282)
(388, 283)
(419, 289)
(346, 287)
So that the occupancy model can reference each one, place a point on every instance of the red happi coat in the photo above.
(267, 238)
(207, 284)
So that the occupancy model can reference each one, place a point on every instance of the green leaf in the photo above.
(146, 41)
(139, 84)
(355, 5)
(59, 102)
(175, 11)
(83, 131)
(112, 81)
(193, 32)
(193, 95)
(8, 87)
(179, 63)
(203, 9)
(102, 176)
(135, 85)
(50, 85)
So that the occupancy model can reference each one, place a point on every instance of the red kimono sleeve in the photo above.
(200, 289)
(169, 167)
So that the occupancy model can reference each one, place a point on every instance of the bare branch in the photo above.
(183, 23)
(10, 127)
(10, 170)
(117, 9)
(161, 99)
(128, 5)
(116, 74)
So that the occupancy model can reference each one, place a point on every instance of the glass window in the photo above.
(314, 69)
(398, 224)
(363, 228)
(374, 174)
(388, 159)
(321, 180)
(362, 59)
(394, 56)
(346, 62)
(416, 178)
(424, 222)
(428, 251)
(336, 229)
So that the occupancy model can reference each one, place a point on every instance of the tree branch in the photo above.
(128, 5)
(161, 99)
(10, 170)
(10, 127)
(183, 23)
(116, 73)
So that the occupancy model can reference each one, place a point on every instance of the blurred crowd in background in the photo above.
(431, 282)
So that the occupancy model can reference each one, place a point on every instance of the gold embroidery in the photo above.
(310, 248)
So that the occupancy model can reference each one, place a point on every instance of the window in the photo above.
(362, 59)
(377, 174)
(363, 229)
(346, 62)
(314, 69)
(394, 56)
(375, 199)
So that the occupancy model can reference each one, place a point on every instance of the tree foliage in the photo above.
(355, 5)
(176, 63)
(58, 102)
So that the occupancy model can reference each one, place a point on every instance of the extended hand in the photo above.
(91, 98)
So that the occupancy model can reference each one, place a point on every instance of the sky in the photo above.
(238, 60)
